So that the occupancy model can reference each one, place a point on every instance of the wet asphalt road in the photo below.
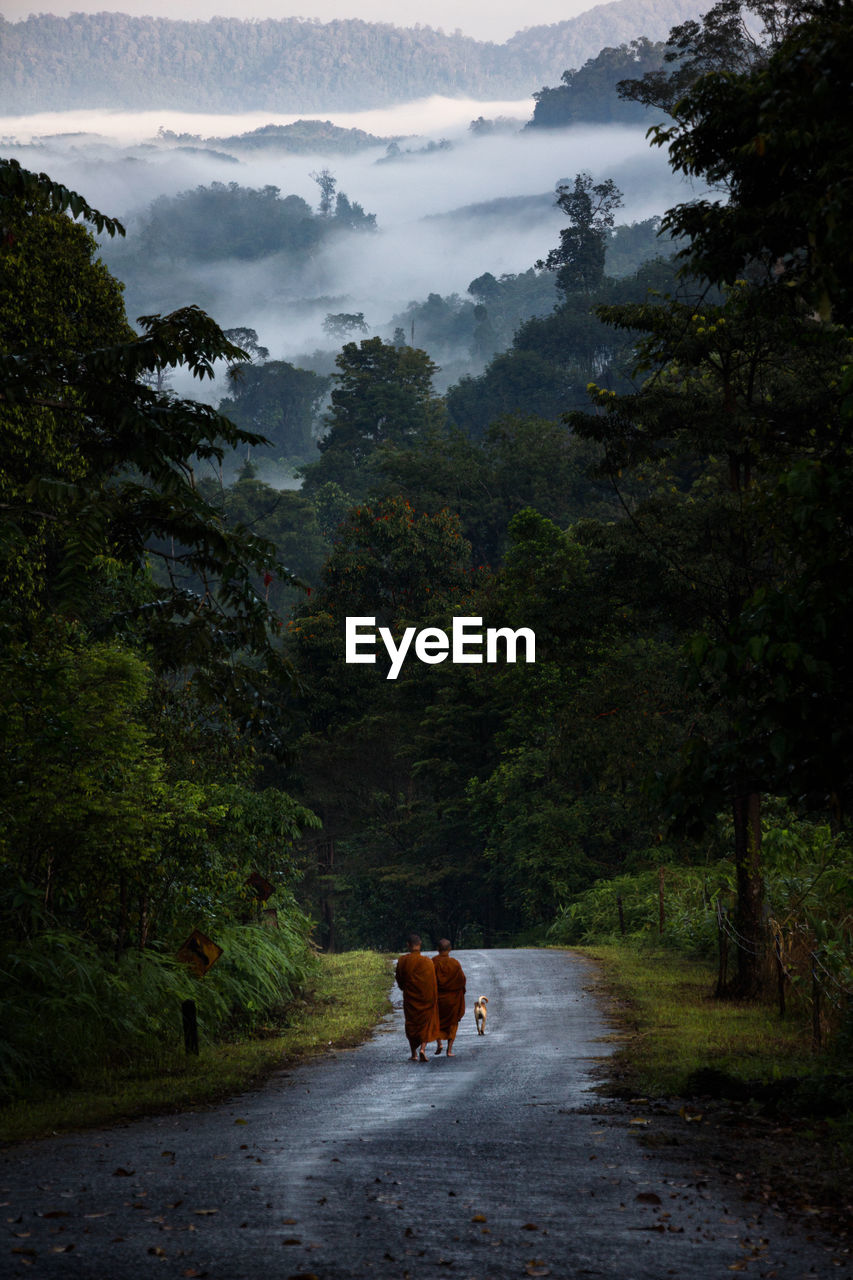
(494, 1165)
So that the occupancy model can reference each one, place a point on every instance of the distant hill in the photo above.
(306, 137)
(111, 60)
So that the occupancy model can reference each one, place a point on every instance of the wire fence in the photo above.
(791, 963)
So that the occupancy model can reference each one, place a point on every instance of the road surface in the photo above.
(496, 1164)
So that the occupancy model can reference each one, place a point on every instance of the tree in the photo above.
(279, 401)
(738, 393)
(579, 258)
(789, 196)
(99, 468)
(247, 340)
(338, 325)
(588, 94)
(724, 40)
(383, 396)
(327, 183)
(404, 568)
(116, 692)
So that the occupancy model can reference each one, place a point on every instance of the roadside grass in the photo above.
(345, 1000)
(675, 1027)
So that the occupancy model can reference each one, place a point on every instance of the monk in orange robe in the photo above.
(450, 978)
(416, 979)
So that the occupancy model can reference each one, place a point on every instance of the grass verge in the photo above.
(348, 996)
(759, 1106)
(673, 1027)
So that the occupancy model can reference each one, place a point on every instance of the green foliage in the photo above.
(727, 38)
(72, 1016)
(383, 395)
(37, 192)
(520, 462)
(578, 260)
(99, 464)
(128, 814)
(690, 896)
(287, 65)
(222, 221)
(280, 402)
(789, 196)
(554, 357)
(588, 95)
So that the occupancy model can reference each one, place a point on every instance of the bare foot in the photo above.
(450, 1053)
(440, 1050)
(423, 1057)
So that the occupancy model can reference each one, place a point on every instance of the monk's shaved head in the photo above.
(414, 940)
(444, 944)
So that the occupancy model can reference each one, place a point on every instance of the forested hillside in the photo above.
(111, 60)
(651, 474)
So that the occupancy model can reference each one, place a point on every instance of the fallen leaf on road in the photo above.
(241, 1121)
(639, 1120)
(479, 1217)
(530, 1226)
(123, 1173)
(648, 1197)
(204, 1213)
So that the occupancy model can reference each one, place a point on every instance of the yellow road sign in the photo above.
(199, 952)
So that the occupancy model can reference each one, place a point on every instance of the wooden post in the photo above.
(621, 914)
(815, 1009)
(660, 899)
(780, 976)
(723, 940)
(189, 1016)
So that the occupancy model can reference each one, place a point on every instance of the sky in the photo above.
(482, 19)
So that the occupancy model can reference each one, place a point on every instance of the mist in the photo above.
(444, 216)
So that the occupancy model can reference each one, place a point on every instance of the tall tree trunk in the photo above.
(749, 923)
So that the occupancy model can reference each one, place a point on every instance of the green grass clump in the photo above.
(665, 1000)
(343, 999)
(71, 1015)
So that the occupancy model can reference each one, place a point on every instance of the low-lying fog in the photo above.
(429, 239)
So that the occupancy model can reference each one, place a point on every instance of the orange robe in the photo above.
(416, 980)
(451, 992)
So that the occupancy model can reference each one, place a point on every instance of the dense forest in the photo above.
(112, 60)
(651, 472)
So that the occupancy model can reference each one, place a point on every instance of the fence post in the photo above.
(660, 899)
(816, 1037)
(189, 1018)
(723, 941)
(780, 975)
(621, 914)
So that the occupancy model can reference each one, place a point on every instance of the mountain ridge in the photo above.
(109, 60)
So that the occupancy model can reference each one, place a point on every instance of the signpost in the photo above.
(201, 954)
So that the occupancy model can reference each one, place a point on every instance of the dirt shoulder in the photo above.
(780, 1132)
